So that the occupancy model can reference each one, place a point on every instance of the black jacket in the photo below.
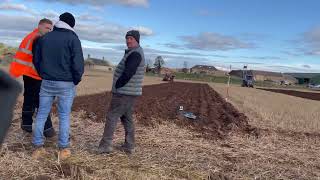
(131, 66)
(58, 56)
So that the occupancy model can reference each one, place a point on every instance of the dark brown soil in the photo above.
(306, 95)
(215, 117)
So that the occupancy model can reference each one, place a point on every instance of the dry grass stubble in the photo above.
(268, 110)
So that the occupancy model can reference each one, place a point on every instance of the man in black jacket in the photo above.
(59, 61)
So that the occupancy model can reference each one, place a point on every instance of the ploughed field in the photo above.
(214, 116)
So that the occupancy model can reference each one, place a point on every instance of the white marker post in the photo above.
(228, 86)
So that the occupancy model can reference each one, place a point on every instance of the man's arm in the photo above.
(36, 51)
(77, 61)
(131, 66)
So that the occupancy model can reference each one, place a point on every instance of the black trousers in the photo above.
(31, 103)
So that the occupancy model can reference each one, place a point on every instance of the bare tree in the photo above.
(158, 63)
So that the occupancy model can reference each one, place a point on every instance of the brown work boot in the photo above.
(38, 153)
(64, 154)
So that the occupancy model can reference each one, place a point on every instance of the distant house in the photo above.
(99, 64)
(203, 69)
(275, 77)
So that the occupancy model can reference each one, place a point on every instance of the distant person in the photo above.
(9, 91)
(59, 61)
(23, 65)
(127, 86)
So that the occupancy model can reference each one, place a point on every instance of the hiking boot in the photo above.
(64, 154)
(104, 149)
(38, 153)
(49, 133)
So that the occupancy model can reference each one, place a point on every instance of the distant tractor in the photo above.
(168, 77)
(247, 78)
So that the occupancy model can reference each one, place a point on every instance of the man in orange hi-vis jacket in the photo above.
(23, 66)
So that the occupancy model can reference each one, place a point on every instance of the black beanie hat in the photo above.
(135, 34)
(68, 18)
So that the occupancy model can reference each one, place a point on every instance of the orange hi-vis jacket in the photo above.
(22, 64)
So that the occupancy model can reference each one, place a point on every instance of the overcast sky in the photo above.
(271, 35)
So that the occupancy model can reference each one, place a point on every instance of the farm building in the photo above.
(99, 64)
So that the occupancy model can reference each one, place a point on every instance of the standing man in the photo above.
(23, 66)
(59, 61)
(127, 86)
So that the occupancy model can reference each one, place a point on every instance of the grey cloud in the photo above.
(290, 53)
(309, 42)
(103, 32)
(15, 7)
(46, 13)
(144, 31)
(115, 54)
(155, 51)
(25, 9)
(245, 62)
(173, 46)
(162, 52)
(49, 14)
(262, 57)
(312, 40)
(306, 66)
(285, 68)
(213, 41)
(107, 32)
(17, 23)
(87, 17)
